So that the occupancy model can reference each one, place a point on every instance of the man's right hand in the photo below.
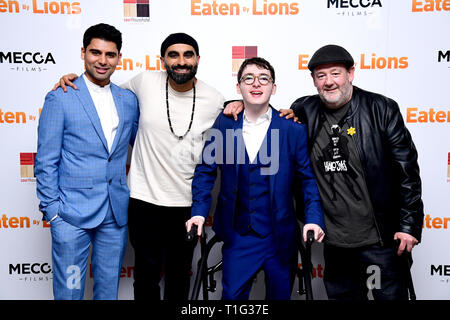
(197, 220)
(66, 81)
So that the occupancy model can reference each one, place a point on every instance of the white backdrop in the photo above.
(41, 40)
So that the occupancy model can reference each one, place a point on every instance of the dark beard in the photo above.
(183, 77)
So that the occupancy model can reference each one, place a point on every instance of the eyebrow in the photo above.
(97, 50)
(256, 75)
(184, 53)
(331, 70)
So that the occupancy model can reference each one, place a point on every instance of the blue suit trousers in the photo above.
(244, 257)
(70, 252)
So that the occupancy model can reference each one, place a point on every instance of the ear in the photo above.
(83, 52)
(314, 79)
(238, 88)
(351, 74)
(274, 89)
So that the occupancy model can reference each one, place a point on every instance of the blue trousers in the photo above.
(70, 252)
(244, 257)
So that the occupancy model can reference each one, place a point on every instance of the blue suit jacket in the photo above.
(77, 176)
(293, 164)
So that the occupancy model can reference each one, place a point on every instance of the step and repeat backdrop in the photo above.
(401, 49)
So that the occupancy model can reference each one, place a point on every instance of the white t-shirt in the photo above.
(162, 167)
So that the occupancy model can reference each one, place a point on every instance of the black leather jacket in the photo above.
(388, 156)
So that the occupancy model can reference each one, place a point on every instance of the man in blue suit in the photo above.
(83, 139)
(259, 156)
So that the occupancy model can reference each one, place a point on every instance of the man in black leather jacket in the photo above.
(368, 177)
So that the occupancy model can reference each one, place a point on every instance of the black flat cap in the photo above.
(330, 54)
(178, 38)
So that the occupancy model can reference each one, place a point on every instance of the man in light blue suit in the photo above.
(259, 156)
(83, 139)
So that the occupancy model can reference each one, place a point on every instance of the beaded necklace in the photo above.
(168, 114)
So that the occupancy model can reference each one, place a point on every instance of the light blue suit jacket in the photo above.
(77, 176)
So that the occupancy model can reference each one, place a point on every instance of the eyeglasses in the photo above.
(263, 79)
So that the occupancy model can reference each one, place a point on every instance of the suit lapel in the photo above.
(239, 144)
(120, 112)
(275, 124)
(88, 105)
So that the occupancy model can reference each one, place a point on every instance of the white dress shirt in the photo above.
(254, 133)
(106, 109)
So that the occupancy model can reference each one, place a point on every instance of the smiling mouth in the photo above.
(182, 69)
(101, 70)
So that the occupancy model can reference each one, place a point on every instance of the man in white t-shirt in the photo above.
(176, 109)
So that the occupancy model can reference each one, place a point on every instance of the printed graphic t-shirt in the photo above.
(349, 218)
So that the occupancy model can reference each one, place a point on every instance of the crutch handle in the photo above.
(310, 236)
(192, 233)
(407, 263)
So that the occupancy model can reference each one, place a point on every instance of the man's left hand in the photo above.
(233, 109)
(289, 114)
(406, 241)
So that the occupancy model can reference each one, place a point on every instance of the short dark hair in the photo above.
(258, 61)
(105, 32)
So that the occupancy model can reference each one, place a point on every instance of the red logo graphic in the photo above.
(136, 10)
(27, 166)
(240, 53)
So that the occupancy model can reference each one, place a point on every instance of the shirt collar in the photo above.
(94, 87)
(267, 116)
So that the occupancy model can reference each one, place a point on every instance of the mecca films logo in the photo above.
(31, 272)
(27, 61)
(444, 57)
(354, 8)
(442, 271)
(27, 166)
(136, 10)
(240, 53)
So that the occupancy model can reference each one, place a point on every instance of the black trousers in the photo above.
(158, 237)
(350, 271)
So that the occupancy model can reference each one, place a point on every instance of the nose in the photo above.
(102, 59)
(256, 83)
(329, 80)
(181, 61)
